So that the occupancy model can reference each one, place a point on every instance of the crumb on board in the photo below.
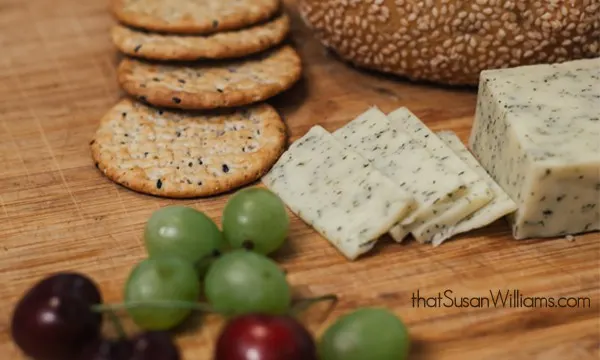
(570, 238)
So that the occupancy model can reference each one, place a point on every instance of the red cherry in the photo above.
(53, 320)
(265, 337)
(151, 345)
(154, 345)
(106, 349)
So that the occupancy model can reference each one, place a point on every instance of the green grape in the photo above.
(368, 333)
(184, 232)
(255, 218)
(242, 282)
(161, 279)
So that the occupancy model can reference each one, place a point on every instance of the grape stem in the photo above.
(303, 304)
(154, 304)
(116, 324)
(300, 306)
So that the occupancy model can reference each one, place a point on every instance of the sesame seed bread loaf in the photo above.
(452, 41)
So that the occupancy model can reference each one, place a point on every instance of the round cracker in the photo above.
(230, 44)
(193, 16)
(210, 85)
(183, 155)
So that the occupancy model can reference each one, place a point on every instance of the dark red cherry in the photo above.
(53, 320)
(107, 349)
(73, 284)
(154, 345)
(265, 337)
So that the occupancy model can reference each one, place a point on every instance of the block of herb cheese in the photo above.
(338, 192)
(537, 132)
(478, 192)
(414, 168)
(499, 207)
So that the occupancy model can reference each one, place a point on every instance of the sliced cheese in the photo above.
(338, 192)
(478, 192)
(500, 206)
(411, 166)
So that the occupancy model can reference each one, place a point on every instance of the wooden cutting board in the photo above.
(57, 78)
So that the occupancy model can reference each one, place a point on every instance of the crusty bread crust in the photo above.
(452, 41)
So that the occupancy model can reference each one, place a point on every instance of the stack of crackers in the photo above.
(197, 73)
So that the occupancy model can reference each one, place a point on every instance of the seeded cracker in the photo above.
(210, 85)
(182, 155)
(193, 16)
(231, 44)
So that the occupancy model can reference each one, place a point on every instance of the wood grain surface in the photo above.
(57, 78)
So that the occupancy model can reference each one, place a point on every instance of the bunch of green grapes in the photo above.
(187, 252)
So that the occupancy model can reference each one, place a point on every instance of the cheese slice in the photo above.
(478, 192)
(338, 192)
(500, 206)
(414, 168)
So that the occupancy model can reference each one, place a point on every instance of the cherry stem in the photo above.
(303, 304)
(154, 304)
(116, 324)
